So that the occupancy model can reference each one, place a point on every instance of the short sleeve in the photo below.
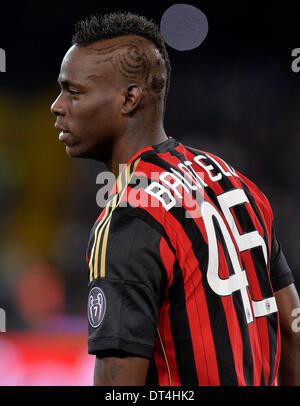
(125, 298)
(280, 272)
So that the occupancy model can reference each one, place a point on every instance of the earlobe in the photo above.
(132, 98)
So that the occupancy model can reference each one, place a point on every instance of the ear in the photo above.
(132, 97)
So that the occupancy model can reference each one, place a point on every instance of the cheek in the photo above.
(103, 115)
(96, 123)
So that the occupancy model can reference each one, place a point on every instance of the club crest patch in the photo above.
(96, 307)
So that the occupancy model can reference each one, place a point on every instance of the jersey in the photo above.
(183, 266)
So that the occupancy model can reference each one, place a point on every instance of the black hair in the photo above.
(100, 27)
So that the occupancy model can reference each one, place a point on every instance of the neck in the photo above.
(132, 142)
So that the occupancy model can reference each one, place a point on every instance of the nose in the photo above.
(57, 107)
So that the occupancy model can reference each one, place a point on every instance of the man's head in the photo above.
(116, 74)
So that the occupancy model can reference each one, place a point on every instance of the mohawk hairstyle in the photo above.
(100, 27)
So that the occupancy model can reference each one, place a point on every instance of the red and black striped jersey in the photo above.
(183, 263)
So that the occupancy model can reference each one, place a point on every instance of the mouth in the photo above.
(68, 139)
(64, 135)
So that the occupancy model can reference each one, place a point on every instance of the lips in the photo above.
(60, 127)
(64, 135)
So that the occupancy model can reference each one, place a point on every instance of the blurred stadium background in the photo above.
(235, 96)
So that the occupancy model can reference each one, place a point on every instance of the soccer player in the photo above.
(188, 284)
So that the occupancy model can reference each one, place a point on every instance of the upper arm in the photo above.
(123, 371)
(280, 272)
(289, 306)
(285, 292)
(287, 300)
(124, 301)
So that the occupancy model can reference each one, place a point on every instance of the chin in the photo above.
(71, 151)
(77, 152)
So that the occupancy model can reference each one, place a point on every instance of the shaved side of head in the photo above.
(134, 59)
(134, 47)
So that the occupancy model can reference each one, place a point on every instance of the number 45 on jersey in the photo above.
(238, 281)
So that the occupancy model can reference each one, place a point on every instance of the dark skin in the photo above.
(120, 371)
(111, 106)
(287, 300)
(110, 113)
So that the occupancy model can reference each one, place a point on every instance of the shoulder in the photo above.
(258, 195)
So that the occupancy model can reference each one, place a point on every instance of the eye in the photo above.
(73, 92)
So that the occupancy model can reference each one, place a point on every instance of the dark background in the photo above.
(235, 96)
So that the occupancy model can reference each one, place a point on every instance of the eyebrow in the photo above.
(94, 76)
(66, 83)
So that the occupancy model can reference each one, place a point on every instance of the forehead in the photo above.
(79, 64)
(98, 58)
